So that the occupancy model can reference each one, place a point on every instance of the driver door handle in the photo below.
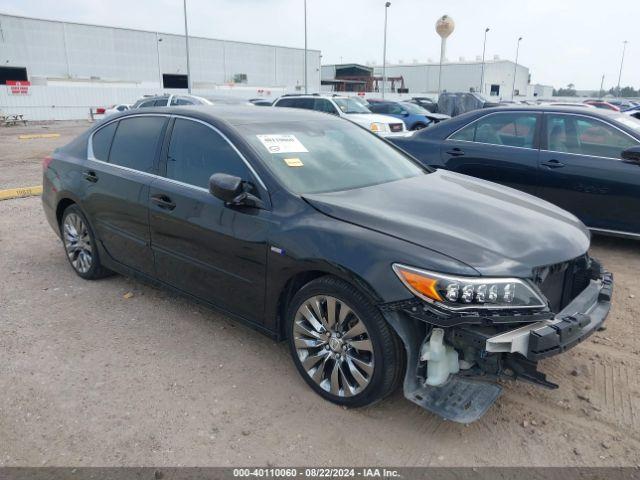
(163, 202)
(553, 163)
(455, 152)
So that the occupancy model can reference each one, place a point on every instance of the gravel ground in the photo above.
(114, 372)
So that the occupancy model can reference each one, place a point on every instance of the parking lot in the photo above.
(115, 372)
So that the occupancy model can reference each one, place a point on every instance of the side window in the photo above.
(136, 142)
(196, 152)
(395, 109)
(148, 103)
(324, 105)
(161, 102)
(285, 102)
(378, 108)
(306, 103)
(508, 129)
(586, 136)
(180, 101)
(102, 141)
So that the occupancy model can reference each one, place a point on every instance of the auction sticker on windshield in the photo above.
(282, 143)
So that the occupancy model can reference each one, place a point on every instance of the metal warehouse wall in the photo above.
(60, 50)
(460, 77)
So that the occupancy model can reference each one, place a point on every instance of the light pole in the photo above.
(484, 48)
(515, 68)
(186, 37)
(158, 40)
(601, 92)
(305, 47)
(384, 50)
(624, 47)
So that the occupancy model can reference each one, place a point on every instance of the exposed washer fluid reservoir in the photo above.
(442, 360)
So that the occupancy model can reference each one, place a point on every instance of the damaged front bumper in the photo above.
(584, 315)
(467, 395)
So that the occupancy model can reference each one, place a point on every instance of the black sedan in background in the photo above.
(314, 230)
(586, 161)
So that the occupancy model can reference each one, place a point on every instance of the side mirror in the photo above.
(632, 154)
(232, 190)
(404, 113)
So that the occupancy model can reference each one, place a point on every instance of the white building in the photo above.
(63, 54)
(462, 76)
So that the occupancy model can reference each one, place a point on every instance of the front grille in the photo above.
(395, 127)
(562, 282)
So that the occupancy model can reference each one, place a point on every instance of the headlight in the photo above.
(379, 127)
(466, 293)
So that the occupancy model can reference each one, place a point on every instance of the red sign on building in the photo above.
(18, 87)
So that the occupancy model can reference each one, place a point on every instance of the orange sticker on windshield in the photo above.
(293, 162)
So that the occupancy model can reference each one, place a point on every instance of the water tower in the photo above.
(444, 27)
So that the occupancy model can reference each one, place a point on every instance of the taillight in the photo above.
(46, 162)
(100, 110)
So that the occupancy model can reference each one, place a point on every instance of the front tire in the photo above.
(80, 245)
(341, 345)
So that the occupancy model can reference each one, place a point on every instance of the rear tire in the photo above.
(341, 345)
(80, 245)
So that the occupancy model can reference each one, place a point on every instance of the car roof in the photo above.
(237, 114)
(595, 112)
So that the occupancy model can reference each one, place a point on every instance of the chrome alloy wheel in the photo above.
(333, 345)
(77, 242)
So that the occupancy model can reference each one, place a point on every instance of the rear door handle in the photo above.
(163, 202)
(553, 163)
(455, 152)
(90, 176)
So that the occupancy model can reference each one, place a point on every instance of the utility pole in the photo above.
(515, 69)
(484, 47)
(624, 47)
(384, 50)
(306, 91)
(601, 92)
(186, 37)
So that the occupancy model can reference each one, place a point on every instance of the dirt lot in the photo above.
(90, 377)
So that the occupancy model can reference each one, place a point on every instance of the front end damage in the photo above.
(454, 359)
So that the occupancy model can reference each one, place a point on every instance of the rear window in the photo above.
(102, 141)
(136, 142)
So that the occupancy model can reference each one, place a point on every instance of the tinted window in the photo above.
(586, 136)
(161, 102)
(306, 103)
(285, 102)
(147, 103)
(379, 107)
(324, 105)
(136, 142)
(509, 129)
(102, 141)
(196, 152)
(181, 101)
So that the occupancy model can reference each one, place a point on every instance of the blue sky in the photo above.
(564, 41)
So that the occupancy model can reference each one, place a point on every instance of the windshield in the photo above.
(629, 121)
(413, 108)
(349, 105)
(318, 156)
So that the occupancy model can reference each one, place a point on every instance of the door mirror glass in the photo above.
(232, 190)
(632, 154)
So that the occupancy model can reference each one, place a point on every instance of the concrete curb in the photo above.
(20, 192)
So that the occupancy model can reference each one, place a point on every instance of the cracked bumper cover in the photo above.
(584, 315)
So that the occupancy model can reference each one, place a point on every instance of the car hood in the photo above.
(494, 229)
(367, 118)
